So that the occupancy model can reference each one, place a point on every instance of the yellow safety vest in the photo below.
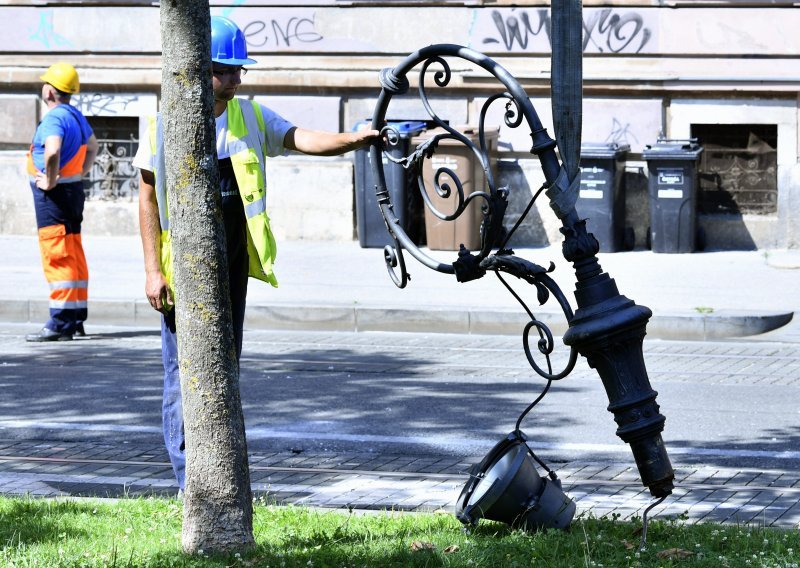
(246, 142)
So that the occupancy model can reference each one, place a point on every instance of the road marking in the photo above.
(474, 445)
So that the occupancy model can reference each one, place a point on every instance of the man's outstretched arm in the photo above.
(322, 143)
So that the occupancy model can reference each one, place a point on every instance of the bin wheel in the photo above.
(648, 240)
(628, 239)
(700, 239)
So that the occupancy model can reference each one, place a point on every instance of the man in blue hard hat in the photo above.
(247, 133)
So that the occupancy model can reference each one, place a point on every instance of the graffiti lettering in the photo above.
(281, 34)
(604, 30)
(99, 104)
(614, 32)
(512, 32)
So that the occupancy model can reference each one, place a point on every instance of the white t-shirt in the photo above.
(221, 123)
(275, 126)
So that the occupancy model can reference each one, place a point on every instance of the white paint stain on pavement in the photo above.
(476, 446)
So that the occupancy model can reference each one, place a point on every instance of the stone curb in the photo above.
(678, 326)
(784, 259)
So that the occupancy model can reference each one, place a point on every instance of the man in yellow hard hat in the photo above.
(62, 152)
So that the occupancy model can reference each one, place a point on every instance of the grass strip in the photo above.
(145, 532)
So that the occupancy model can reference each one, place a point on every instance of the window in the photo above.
(738, 168)
(113, 177)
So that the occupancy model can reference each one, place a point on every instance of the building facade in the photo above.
(724, 72)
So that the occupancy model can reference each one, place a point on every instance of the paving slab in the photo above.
(342, 481)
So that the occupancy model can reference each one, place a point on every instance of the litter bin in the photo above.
(672, 185)
(601, 199)
(455, 156)
(370, 226)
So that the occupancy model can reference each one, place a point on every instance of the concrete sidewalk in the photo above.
(340, 286)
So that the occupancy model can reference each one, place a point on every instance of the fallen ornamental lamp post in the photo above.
(607, 328)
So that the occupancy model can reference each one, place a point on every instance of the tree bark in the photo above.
(218, 508)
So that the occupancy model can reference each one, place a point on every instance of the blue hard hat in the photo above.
(228, 45)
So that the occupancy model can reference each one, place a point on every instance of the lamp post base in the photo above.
(608, 329)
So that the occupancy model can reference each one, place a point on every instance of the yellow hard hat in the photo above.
(63, 77)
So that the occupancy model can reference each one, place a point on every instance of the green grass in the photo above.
(146, 533)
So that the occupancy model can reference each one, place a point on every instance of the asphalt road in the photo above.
(730, 404)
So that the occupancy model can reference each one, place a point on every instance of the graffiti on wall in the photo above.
(621, 133)
(57, 29)
(276, 33)
(45, 34)
(635, 122)
(605, 30)
(615, 33)
(516, 29)
(621, 28)
(102, 104)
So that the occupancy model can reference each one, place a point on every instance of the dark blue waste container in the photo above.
(369, 221)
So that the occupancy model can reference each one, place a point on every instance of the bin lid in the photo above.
(603, 150)
(669, 149)
(471, 132)
(406, 128)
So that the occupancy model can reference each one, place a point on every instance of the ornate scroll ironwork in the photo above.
(113, 176)
(607, 328)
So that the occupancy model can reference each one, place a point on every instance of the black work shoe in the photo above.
(48, 335)
(79, 331)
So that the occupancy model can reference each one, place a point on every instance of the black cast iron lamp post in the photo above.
(607, 328)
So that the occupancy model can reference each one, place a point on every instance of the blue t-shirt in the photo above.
(68, 123)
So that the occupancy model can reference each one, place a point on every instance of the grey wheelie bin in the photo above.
(370, 226)
(672, 189)
(601, 199)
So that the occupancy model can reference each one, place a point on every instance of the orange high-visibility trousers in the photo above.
(59, 213)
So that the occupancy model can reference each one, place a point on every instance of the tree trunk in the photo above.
(218, 508)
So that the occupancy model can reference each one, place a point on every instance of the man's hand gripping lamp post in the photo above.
(607, 328)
